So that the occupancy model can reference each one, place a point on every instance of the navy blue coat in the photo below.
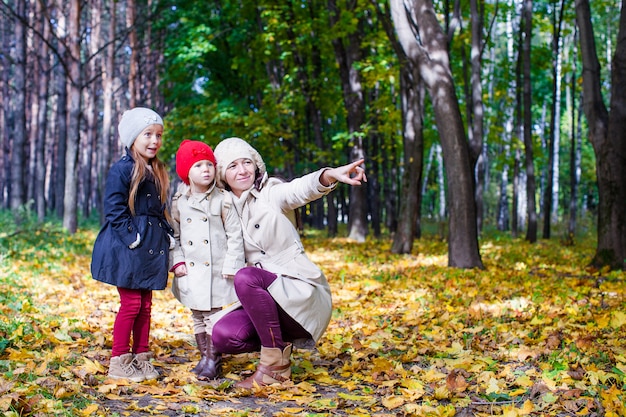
(146, 266)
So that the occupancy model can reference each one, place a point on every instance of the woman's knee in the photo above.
(246, 278)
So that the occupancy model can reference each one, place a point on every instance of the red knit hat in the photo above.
(189, 152)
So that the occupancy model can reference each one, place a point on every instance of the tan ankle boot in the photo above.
(124, 367)
(274, 367)
(142, 362)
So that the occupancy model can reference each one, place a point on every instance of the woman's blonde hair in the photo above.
(161, 179)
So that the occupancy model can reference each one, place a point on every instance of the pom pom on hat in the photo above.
(189, 152)
(232, 149)
(134, 121)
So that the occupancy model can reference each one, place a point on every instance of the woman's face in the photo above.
(240, 175)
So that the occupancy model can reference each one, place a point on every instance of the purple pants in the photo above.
(261, 322)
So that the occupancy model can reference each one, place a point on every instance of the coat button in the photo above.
(151, 252)
(204, 219)
(190, 243)
(206, 264)
(191, 264)
(148, 195)
(256, 226)
(149, 223)
(188, 220)
(206, 242)
(162, 252)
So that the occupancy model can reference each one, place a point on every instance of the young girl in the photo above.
(208, 250)
(132, 248)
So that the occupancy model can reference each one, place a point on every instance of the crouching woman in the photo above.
(285, 298)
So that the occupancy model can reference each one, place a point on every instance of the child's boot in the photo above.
(123, 367)
(213, 364)
(144, 365)
(201, 342)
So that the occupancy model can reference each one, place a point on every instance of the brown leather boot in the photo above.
(274, 367)
(201, 342)
(213, 364)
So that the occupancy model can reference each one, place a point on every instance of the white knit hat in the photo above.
(232, 149)
(134, 121)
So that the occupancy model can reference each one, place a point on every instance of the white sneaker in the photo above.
(123, 367)
(143, 364)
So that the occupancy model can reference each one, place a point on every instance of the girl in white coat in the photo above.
(208, 250)
(285, 297)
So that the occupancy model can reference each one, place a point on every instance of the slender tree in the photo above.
(412, 106)
(527, 16)
(348, 54)
(18, 159)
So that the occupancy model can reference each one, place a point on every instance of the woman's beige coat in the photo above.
(272, 242)
(209, 242)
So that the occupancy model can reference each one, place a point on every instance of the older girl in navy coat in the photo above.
(132, 248)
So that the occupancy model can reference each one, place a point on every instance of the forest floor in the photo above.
(536, 333)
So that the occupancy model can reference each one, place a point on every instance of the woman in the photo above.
(285, 297)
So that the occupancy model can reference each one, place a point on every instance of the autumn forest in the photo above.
(471, 115)
(479, 272)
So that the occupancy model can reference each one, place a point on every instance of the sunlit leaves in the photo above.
(533, 334)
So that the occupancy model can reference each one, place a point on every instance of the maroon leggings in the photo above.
(261, 322)
(133, 318)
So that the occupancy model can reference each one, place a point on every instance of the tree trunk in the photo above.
(17, 180)
(61, 120)
(91, 110)
(42, 119)
(531, 231)
(412, 107)
(476, 141)
(550, 203)
(348, 53)
(6, 33)
(575, 144)
(133, 75)
(70, 201)
(104, 144)
(431, 58)
(412, 92)
(607, 133)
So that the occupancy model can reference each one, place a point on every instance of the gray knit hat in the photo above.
(134, 121)
(231, 149)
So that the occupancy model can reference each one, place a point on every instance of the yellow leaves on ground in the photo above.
(532, 334)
